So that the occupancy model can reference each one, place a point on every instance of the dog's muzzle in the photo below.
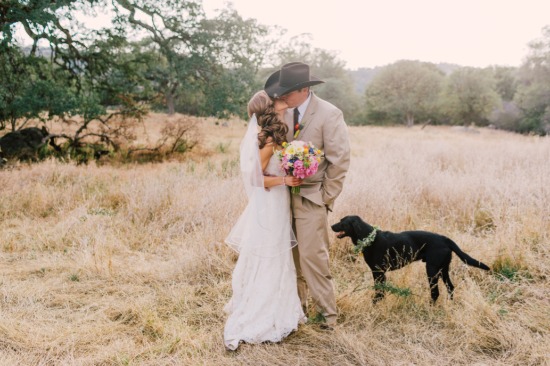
(337, 228)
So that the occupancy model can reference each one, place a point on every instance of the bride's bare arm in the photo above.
(288, 180)
(266, 152)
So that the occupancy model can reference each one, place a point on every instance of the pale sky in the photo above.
(369, 33)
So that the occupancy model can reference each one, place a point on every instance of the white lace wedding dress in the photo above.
(265, 306)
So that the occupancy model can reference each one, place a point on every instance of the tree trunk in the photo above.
(171, 97)
(170, 103)
(410, 120)
(13, 123)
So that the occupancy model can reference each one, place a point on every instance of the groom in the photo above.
(314, 120)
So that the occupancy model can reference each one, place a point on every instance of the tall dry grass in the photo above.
(103, 265)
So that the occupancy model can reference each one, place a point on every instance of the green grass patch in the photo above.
(512, 269)
(393, 289)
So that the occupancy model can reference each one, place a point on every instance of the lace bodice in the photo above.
(274, 167)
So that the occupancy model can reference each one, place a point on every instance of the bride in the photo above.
(265, 306)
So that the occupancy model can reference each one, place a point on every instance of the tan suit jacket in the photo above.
(324, 126)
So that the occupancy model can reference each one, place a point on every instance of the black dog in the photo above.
(385, 251)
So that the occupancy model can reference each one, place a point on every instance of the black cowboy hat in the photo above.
(292, 76)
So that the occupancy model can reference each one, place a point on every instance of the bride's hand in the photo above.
(292, 181)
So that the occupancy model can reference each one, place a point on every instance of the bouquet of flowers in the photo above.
(299, 159)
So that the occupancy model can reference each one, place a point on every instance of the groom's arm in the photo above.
(337, 153)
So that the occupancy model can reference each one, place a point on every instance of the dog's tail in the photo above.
(465, 257)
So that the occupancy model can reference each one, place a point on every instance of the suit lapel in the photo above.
(308, 115)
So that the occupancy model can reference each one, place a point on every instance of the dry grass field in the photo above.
(126, 265)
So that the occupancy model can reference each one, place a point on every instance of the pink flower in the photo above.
(312, 169)
(299, 169)
(299, 159)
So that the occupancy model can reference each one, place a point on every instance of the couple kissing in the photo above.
(281, 237)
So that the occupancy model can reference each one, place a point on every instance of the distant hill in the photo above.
(40, 51)
(363, 76)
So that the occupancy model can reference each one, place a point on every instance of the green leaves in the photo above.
(404, 91)
(533, 92)
(470, 96)
(393, 289)
(364, 243)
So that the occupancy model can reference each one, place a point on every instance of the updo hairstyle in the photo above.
(270, 124)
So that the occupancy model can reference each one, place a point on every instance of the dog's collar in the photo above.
(364, 243)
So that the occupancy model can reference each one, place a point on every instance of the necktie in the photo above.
(296, 122)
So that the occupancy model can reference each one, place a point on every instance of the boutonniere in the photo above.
(298, 127)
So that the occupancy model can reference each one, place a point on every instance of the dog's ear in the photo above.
(356, 225)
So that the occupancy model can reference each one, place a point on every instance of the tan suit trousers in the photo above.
(311, 256)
